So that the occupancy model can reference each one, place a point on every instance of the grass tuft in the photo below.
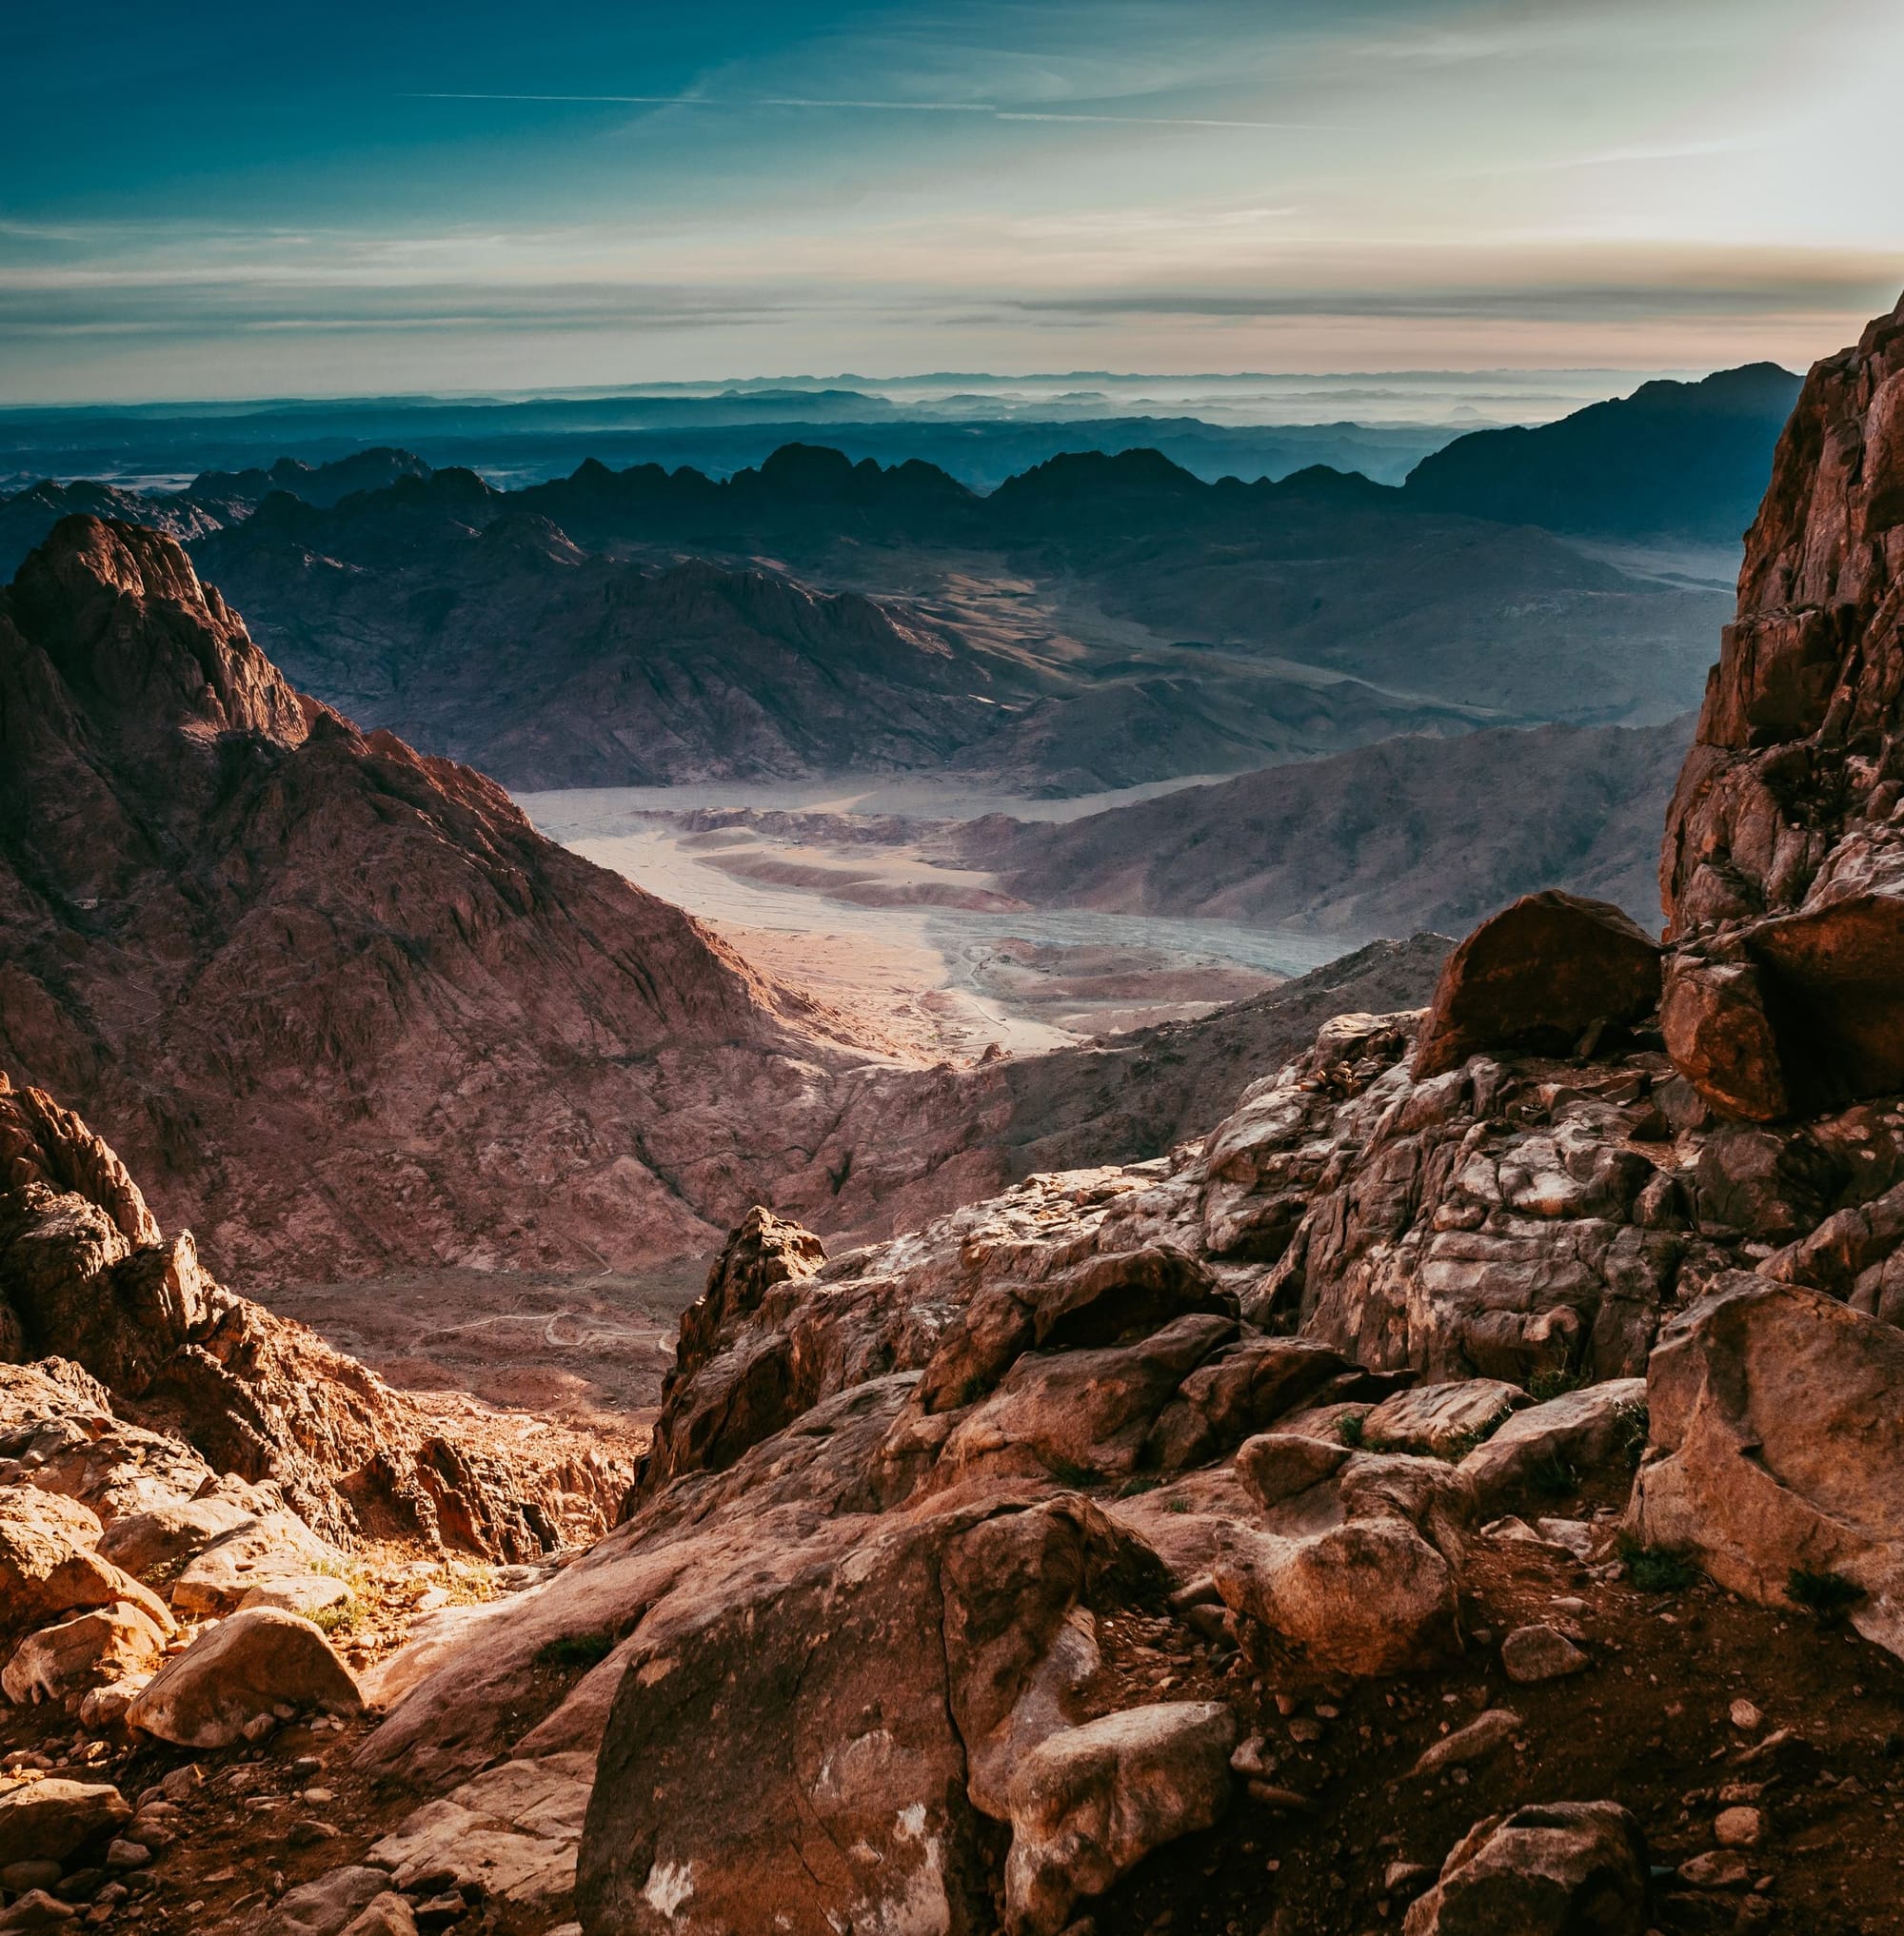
(1826, 1596)
(1657, 1569)
(575, 1650)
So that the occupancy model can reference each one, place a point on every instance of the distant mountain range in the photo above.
(1685, 461)
(1097, 621)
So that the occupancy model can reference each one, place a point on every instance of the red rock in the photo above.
(1539, 973)
(1720, 1038)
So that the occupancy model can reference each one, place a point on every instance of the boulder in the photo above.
(1837, 969)
(36, 1910)
(1091, 1802)
(1585, 1431)
(1720, 1036)
(46, 1820)
(844, 1692)
(328, 1905)
(1441, 1419)
(65, 1662)
(266, 1551)
(239, 1672)
(1777, 1447)
(511, 1835)
(1369, 1596)
(165, 1537)
(49, 1567)
(1540, 974)
(1561, 1868)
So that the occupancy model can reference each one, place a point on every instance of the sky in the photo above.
(211, 200)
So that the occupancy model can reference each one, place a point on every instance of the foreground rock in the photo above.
(1548, 1870)
(257, 1668)
(1090, 1803)
(1778, 1450)
(46, 1820)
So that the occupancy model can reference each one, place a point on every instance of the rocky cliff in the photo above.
(1783, 867)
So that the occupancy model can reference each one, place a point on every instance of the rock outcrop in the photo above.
(1783, 867)
(193, 1382)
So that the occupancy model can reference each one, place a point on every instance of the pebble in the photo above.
(123, 1854)
(1746, 1717)
(1304, 1730)
(1739, 1828)
(1541, 1653)
(1719, 1868)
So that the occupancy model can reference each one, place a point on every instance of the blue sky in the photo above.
(211, 200)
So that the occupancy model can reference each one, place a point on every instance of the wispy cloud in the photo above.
(990, 111)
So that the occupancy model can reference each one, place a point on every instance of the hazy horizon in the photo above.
(221, 204)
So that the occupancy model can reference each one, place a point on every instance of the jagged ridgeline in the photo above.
(1456, 1492)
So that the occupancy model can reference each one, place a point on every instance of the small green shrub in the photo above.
(340, 1618)
(1633, 1426)
(1350, 1431)
(1176, 1504)
(575, 1650)
(1461, 1445)
(1553, 1381)
(1657, 1569)
(1553, 1478)
(1144, 1482)
(1827, 1597)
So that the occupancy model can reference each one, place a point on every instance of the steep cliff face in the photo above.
(339, 1002)
(1783, 867)
(1787, 798)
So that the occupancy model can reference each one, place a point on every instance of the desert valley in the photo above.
(951, 1154)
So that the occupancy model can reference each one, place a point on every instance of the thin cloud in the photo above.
(990, 111)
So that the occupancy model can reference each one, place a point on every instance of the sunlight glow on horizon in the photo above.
(1369, 185)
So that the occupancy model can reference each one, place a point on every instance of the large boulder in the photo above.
(844, 1699)
(1559, 1868)
(1090, 1803)
(1539, 975)
(1778, 1448)
(46, 1820)
(241, 1672)
(67, 1661)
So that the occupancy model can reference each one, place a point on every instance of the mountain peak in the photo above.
(139, 642)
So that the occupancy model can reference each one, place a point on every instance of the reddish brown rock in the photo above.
(1538, 974)
(1784, 850)
(87, 1277)
(1713, 1018)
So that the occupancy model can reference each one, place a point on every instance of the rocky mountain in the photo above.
(1097, 622)
(340, 1002)
(211, 501)
(1407, 833)
(505, 646)
(1458, 1492)
(1673, 461)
